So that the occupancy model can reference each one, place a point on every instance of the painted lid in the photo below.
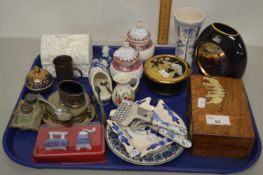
(166, 69)
(38, 79)
(125, 53)
(138, 34)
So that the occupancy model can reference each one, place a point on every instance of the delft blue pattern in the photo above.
(188, 33)
(167, 154)
(171, 134)
(138, 102)
(56, 144)
(97, 63)
(180, 43)
(120, 134)
(161, 143)
(148, 129)
(171, 113)
(158, 157)
(108, 59)
(106, 56)
(157, 118)
(82, 140)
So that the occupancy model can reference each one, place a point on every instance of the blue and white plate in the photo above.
(167, 150)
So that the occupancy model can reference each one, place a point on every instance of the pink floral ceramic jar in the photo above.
(139, 38)
(126, 60)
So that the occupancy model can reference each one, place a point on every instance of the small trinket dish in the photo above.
(38, 79)
(166, 74)
(76, 144)
(139, 38)
(126, 60)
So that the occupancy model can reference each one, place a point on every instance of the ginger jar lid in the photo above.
(125, 53)
(138, 34)
(38, 79)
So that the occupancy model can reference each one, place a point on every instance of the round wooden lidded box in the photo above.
(166, 74)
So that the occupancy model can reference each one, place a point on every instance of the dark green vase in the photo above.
(220, 51)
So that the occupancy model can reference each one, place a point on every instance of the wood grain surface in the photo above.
(234, 140)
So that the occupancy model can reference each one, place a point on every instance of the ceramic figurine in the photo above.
(100, 78)
(126, 60)
(38, 79)
(83, 140)
(125, 89)
(220, 51)
(139, 38)
(106, 58)
(56, 140)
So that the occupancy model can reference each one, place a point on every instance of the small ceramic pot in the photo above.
(166, 74)
(125, 89)
(220, 51)
(139, 38)
(126, 60)
(38, 79)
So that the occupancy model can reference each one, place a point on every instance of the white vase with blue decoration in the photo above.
(188, 22)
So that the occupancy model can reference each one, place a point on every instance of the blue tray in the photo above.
(19, 145)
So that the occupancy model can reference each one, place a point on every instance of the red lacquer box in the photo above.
(76, 144)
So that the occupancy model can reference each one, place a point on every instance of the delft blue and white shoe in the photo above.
(100, 76)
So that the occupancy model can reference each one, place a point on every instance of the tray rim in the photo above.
(131, 167)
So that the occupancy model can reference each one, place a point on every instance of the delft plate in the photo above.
(162, 156)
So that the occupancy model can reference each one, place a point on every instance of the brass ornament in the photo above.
(215, 90)
(38, 79)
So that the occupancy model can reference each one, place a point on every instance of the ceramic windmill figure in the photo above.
(83, 140)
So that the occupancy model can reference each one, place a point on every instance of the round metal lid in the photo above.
(31, 98)
(26, 108)
(166, 69)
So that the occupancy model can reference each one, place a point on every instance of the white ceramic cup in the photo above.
(188, 21)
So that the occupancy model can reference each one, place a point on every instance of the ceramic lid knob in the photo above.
(138, 33)
(139, 25)
(125, 53)
(126, 45)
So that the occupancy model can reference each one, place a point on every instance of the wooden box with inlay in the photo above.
(220, 124)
